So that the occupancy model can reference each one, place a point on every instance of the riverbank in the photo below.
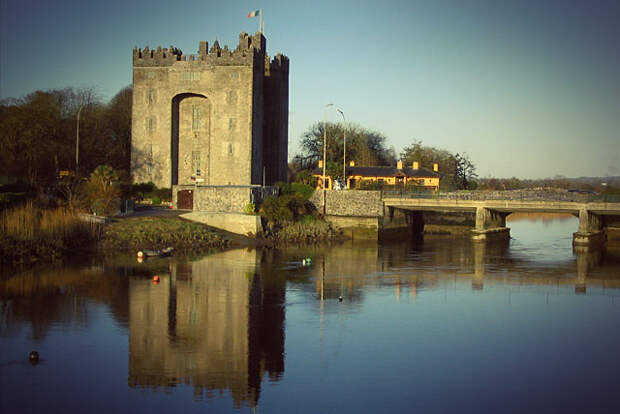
(30, 235)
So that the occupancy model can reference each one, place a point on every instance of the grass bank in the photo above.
(159, 232)
(30, 234)
(303, 232)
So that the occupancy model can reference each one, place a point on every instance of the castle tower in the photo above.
(220, 115)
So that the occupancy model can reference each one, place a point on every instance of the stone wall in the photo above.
(356, 203)
(224, 199)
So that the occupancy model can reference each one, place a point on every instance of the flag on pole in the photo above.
(254, 13)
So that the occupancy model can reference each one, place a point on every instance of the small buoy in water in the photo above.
(33, 357)
(155, 280)
(140, 254)
(340, 298)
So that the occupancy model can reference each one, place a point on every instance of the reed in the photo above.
(58, 228)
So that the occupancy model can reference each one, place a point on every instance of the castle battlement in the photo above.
(279, 63)
(247, 51)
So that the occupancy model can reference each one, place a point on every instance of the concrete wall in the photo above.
(238, 223)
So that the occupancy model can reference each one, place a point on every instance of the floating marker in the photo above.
(33, 357)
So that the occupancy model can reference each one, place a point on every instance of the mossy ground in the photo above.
(158, 233)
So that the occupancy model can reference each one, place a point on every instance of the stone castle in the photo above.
(219, 117)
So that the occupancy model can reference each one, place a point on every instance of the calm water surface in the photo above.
(439, 326)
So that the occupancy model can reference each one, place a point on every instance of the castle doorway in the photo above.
(185, 200)
(190, 138)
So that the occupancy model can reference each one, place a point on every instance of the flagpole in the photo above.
(260, 21)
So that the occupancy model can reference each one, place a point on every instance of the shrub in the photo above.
(275, 210)
(155, 200)
(303, 190)
(103, 190)
(164, 194)
(249, 208)
(305, 177)
(141, 191)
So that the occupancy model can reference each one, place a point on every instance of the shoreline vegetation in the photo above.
(32, 235)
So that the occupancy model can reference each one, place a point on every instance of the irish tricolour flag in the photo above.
(254, 13)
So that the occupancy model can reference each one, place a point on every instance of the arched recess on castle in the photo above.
(190, 138)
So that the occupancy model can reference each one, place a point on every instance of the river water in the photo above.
(442, 325)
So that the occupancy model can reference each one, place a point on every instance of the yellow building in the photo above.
(399, 175)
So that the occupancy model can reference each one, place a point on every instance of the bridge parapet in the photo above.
(540, 194)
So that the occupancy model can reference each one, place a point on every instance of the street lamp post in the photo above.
(325, 154)
(77, 140)
(344, 150)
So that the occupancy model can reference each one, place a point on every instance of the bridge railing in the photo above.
(515, 195)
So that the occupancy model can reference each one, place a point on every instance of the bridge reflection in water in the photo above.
(436, 260)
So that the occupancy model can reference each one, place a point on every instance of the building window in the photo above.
(151, 96)
(195, 161)
(150, 75)
(149, 161)
(151, 124)
(190, 76)
(231, 124)
(230, 149)
(195, 117)
(231, 97)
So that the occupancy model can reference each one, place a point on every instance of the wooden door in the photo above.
(185, 200)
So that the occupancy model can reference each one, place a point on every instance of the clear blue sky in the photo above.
(526, 88)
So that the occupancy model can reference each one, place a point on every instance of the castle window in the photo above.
(231, 124)
(151, 124)
(190, 76)
(231, 97)
(195, 161)
(150, 75)
(151, 96)
(195, 118)
(230, 149)
(149, 161)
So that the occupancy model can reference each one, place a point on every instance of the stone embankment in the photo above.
(356, 203)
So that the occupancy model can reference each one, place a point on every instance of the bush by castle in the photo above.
(291, 218)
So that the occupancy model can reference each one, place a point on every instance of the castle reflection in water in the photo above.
(211, 323)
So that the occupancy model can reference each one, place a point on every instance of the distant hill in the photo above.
(596, 181)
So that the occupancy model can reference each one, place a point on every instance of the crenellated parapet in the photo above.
(279, 63)
(250, 49)
(156, 57)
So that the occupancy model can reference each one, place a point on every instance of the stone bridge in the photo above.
(363, 208)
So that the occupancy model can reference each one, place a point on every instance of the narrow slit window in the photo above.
(195, 118)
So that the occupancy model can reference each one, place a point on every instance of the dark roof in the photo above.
(387, 172)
